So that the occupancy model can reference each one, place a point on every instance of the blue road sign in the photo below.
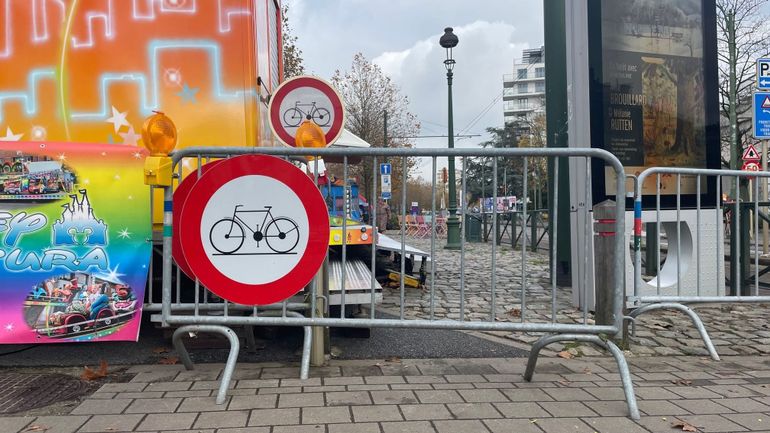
(386, 195)
(385, 168)
(763, 74)
(762, 116)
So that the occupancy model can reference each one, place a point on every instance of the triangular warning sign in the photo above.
(766, 102)
(751, 154)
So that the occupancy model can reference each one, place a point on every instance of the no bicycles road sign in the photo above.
(254, 230)
(306, 98)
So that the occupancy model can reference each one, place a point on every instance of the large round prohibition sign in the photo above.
(302, 98)
(181, 193)
(255, 229)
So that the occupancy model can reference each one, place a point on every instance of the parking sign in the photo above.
(763, 74)
(385, 170)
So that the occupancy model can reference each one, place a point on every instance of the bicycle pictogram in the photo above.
(294, 115)
(228, 235)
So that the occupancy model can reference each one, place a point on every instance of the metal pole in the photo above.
(317, 357)
(556, 99)
(765, 235)
(453, 223)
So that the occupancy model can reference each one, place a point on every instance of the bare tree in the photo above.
(742, 38)
(370, 97)
(292, 55)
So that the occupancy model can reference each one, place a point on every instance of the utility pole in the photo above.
(556, 101)
(733, 90)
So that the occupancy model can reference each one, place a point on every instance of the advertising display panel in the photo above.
(654, 89)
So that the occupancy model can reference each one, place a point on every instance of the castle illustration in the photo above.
(78, 218)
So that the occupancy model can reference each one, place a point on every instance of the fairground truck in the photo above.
(92, 71)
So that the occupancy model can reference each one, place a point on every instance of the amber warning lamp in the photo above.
(310, 135)
(160, 138)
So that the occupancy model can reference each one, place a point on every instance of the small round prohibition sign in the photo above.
(308, 98)
(255, 229)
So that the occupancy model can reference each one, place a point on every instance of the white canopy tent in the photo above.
(350, 140)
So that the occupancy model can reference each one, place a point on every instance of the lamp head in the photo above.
(448, 41)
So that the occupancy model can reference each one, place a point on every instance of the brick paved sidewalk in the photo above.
(481, 395)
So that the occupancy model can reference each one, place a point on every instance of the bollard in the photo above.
(604, 252)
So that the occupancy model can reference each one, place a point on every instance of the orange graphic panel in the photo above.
(92, 70)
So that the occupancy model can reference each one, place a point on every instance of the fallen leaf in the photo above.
(565, 354)
(160, 350)
(89, 374)
(515, 312)
(168, 360)
(393, 359)
(37, 427)
(587, 371)
(683, 382)
(660, 325)
(685, 426)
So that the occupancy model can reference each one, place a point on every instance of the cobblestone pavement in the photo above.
(735, 329)
(479, 396)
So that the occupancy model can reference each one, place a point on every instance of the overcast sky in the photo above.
(402, 37)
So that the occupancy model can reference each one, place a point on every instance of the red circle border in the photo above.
(304, 81)
(318, 222)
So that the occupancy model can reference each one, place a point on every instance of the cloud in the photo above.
(402, 37)
(485, 52)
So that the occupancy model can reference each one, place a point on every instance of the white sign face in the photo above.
(763, 74)
(385, 183)
(303, 103)
(254, 229)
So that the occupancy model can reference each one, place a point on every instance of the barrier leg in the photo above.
(625, 375)
(232, 357)
(307, 343)
(176, 340)
(304, 370)
(704, 335)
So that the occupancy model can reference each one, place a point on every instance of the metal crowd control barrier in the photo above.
(679, 291)
(193, 314)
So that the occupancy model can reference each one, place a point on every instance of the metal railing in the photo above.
(504, 295)
(693, 269)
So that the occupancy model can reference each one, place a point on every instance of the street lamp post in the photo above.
(449, 41)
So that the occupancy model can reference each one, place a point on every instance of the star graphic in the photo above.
(124, 234)
(38, 133)
(113, 274)
(9, 327)
(130, 137)
(62, 157)
(138, 155)
(118, 119)
(131, 197)
(188, 94)
(10, 136)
